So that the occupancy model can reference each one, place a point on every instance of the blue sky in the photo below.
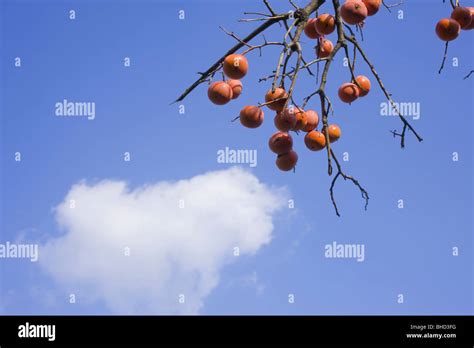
(407, 251)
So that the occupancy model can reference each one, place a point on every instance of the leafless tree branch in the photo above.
(292, 48)
(468, 75)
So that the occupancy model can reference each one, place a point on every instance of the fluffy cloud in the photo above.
(180, 236)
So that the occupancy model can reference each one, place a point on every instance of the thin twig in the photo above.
(444, 57)
(388, 7)
(363, 191)
(216, 66)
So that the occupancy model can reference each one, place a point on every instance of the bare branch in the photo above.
(258, 14)
(363, 191)
(278, 17)
(216, 66)
(468, 75)
(293, 4)
(406, 124)
(388, 7)
(444, 57)
(267, 4)
(250, 47)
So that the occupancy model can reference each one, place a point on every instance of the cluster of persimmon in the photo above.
(353, 12)
(292, 118)
(449, 29)
(288, 119)
(235, 67)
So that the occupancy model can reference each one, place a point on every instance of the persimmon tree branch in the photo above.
(341, 43)
(292, 71)
(251, 47)
(340, 173)
(294, 23)
(216, 66)
(406, 124)
(388, 7)
(468, 75)
(454, 4)
(310, 8)
(444, 57)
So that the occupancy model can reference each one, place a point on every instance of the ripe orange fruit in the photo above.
(287, 161)
(348, 92)
(471, 25)
(279, 97)
(364, 84)
(219, 93)
(310, 29)
(301, 119)
(334, 132)
(251, 116)
(462, 15)
(235, 66)
(280, 143)
(373, 6)
(315, 140)
(325, 24)
(236, 86)
(324, 48)
(285, 120)
(312, 118)
(448, 29)
(353, 12)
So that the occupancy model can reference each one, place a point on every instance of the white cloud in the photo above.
(173, 250)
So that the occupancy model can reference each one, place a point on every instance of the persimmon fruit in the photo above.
(334, 133)
(373, 6)
(301, 119)
(276, 100)
(310, 29)
(471, 25)
(325, 24)
(315, 140)
(251, 116)
(364, 84)
(236, 86)
(348, 92)
(324, 48)
(287, 161)
(462, 15)
(448, 29)
(353, 12)
(312, 119)
(235, 66)
(285, 120)
(219, 93)
(280, 142)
